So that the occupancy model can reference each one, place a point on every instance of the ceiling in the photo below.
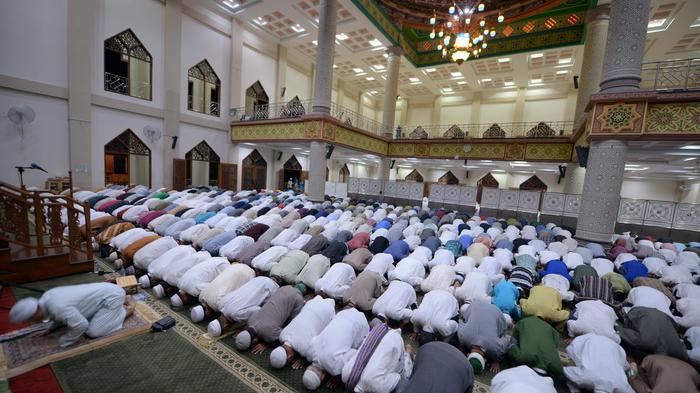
(360, 43)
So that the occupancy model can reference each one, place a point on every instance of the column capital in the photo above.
(394, 50)
(601, 12)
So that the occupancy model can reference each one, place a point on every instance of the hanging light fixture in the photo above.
(463, 32)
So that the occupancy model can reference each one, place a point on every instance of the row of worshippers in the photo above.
(399, 236)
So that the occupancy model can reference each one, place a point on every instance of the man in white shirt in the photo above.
(232, 278)
(601, 365)
(239, 305)
(336, 281)
(396, 304)
(436, 317)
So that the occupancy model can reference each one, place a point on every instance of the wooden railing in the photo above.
(33, 219)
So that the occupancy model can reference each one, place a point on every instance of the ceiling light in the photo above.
(656, 23)
(447, 90)
(335, 66)
(375, 42)
(373, 92)
(536, 80)
(690, 159)
(370, 78)
(486, 161)
(378, 67)
(342, 36)
(636, 169)
(486, 80)
(462, 82)
(298, 28)
(536, 55)
(358, 70)
(385, 55)
(231, 4)
(691, 147)
(314, 42)
(430, 70)
(632, 165)
(509, 83)
(565, 60)
(519, 162)
(498, 170)
(457, 73)
(562, 72)
(504, 59)
(413, 79)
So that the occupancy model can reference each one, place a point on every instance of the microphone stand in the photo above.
(20, 171)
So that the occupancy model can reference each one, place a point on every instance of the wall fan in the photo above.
(21, 115)
(152, 133)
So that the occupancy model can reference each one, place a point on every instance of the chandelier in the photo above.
(464, 32)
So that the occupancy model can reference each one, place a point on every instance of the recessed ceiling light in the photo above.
(375, 42)
(537, 80)
(562, 72)
(416, 83)
(509, 83)
(373, 92)
(342, 36)
(430, 70)
(690, 159)
(691, 147)
(486, 80)
(378, 67)
(536, 55)
(413, 79)
(504, 59)
(566, 60)
(385, 55)
(632, 165)
(498, 170)
(314, 42)
(358, 70)
(462, 82)
(456, 73)
(335, 66)
(231, 4)
(370, 78)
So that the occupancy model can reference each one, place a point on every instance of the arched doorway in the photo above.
(414, 176)
(202, 166)
(127, 160)
(344, 174)
(291, 170)
(448, 178)
(534, 183)
(487, 181)
(256, 102)
(254, 172)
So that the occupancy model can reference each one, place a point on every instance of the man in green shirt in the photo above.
(537, 346)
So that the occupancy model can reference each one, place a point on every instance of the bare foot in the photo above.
(495, 367)
(298, 363)
(332, 383)
(414, 336)
(129, 305)
(258, 349)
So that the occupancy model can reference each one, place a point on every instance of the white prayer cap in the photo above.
(243, 340)
(278, 357)
(144, 281)
(311, 380)
(118, 263)
(175, 300)
(112, 256)
(197, 314)
(23, 310)
(158, 291)
(214, 329)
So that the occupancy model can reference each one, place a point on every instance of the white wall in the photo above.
(191, 135)
(455, 114)
(107, 124)
(298, 84)
(45, 140)
(657, 190)
(201, 42)
(147, 20)
(34, 40)
(546, 110)
(419, 115)
(499, 112)
(257, 66)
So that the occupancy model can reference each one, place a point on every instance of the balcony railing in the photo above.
(671, 75)
(542, 129)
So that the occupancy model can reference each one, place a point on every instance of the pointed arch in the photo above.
(344, 174)
(127, 160)
(448, 178)
(203, 89)
(254, 175)
(256, 102)
(294, 108)
(534, 183)
(202, 166)
(291, 173)
(292, 163)
(414, 176)
(127, 66)
(487, 181)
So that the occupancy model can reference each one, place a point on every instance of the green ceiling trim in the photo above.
(526, 35)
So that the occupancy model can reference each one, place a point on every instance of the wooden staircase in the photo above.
(34, 243)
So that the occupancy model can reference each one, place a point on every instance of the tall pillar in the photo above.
(624, 47)
(281, 81)
(317, 171)
(323, 79)
(384, 168)
(171, 116)
(392, 85)
(81, 17)
(592, 67)
(436, 113)
(519, 105)
(475, 115)
(235, 96)
(573, 182)
(601, 190)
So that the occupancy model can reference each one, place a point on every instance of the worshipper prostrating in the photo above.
(664, 374)
(593, 316)
(436, 317)
(267, 323)
(482, 332)
(364, 291)
(334, 346)
(545, 303)
(296, 337)
(537, 346)
(379, 363)
(196, 278)
(396, 304)
(521, 379)
(95, 310)
(601, 365)
(239, 305)
(649, 331)
(232, 278)
(439, 368)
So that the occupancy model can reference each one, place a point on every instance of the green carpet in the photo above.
(152, 362)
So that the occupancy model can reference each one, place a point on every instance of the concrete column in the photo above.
(312, 76)
(593, 53)
(384, 168)
(340, 99)
(519, 105)
(624, 47)
(236, 87)
(171, 118)
(392, 84)
(601, 190)
(437, 106)
(402, 120)
(81, 19)
(323, 79)
(360, 104)
(317, 171)
(281, 73)
(573, 182)
(476, 108)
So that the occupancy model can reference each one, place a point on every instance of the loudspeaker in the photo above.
(562, 173)
(172, 146)
(329, 151)
(467, 174)
(392, 164)
(582, 154)
(279, 156)
(575, 81)
(284, 90)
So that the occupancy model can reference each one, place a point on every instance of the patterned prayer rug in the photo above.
(24, 350)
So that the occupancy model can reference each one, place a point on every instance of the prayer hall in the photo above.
(366, 196)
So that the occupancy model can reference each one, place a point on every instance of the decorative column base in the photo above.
(601, 191)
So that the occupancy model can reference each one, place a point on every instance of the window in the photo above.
(203, 89)
(256, 102)
(203, 166)
(127, 160)
(127, 66)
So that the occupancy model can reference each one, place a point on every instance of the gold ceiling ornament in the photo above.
(464, 30)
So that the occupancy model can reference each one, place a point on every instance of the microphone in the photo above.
(34, 165)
